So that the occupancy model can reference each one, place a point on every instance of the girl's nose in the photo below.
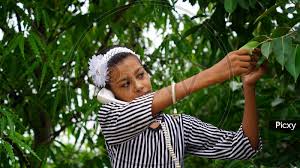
(139, 87)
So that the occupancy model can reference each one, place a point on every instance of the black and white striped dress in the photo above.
(130, 141)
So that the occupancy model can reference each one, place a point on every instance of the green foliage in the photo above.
(11, 140)
(230, 5)
(293, 63)
(46, 96)
(250, 45)
(284, 48)
(266, 49)
(9, 150)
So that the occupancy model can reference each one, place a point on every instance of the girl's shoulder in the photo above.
(110, 106)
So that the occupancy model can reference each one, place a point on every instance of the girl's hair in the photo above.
(118, 58)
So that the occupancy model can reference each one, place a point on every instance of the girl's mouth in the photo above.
(144, 93)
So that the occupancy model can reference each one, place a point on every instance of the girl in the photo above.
(138, 134)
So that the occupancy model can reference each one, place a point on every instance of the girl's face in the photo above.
(128, 79)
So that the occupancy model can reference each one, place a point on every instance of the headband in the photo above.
(98, 65)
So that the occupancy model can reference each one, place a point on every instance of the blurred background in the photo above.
(47, 108)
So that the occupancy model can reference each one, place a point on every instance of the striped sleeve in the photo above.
(204, 139)
(120, 123)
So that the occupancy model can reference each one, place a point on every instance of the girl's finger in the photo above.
(245, 58)
(252, 66)
(242, 51)
(245, 70)
(253, 63)
(245, 64)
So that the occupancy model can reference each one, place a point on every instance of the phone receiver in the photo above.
(106, 96)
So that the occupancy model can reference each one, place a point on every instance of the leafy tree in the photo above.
(46, 95)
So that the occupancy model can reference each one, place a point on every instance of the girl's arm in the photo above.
(250, 118)
(206, 140)
(233, 64)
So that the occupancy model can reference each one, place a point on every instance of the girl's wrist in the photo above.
(248, 89)
(249, 86)
(218, 77)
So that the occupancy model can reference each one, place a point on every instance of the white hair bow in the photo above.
(98, 65)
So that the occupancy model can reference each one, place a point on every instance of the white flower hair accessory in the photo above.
(98, 65)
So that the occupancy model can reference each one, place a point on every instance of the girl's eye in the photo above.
(141, 75)
(125, 85)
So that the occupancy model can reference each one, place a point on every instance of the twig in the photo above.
(18, 21)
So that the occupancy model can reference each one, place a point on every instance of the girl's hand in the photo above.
(234, 63)
(254, 74)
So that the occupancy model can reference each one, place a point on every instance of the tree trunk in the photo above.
(42, 136)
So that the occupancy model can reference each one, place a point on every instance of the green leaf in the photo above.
(52, 66)
(266, 49)
(77, 66)
(260, 39)
(37, 14)
(282, 49)
(250, 45)
(191, 31)
(293, 63)
(2, 124)
(89, 111)
(33, 45)
(9, 150)
(10, 123)
(244, 4)
(252, 3)
(230, 5)
(40, 43)
(57, 99)
(44, 71)
(12, 44)
(30, 69)
(45, 19)
(21, 46)
(23, 145)
(297, 61)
